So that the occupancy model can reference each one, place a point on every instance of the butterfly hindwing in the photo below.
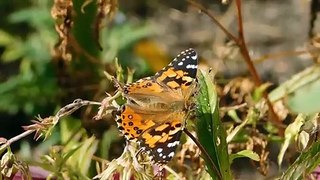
(132, 123)
(161, 142)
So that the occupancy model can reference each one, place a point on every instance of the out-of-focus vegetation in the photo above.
(256, 117)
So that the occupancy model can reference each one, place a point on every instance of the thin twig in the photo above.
(18, 137)
(243, 48)
(209, 14)
(235, 107)
(245, 53)
(280, 55)
(66, 110)
(205, 153)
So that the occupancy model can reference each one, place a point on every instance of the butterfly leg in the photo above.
(107, 104)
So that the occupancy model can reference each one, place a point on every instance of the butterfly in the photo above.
(157, 107)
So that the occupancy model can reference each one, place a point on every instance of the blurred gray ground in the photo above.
(271, 26)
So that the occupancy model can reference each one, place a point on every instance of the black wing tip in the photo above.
(189, 50)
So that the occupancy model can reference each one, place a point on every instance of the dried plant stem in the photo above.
(209, 14)
(245, 53)
(240, 41)
(18, 137)
(64, 111)
(204, 152)
(281, 55)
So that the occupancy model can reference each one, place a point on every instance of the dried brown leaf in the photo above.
(61, 12)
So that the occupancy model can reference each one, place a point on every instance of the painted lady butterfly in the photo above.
(157, 107)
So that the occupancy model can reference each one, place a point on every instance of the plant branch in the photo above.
(240, 41)
(281, 55)
(204, 152)
(243, 48)
(245, 53)
(17, 138)
(209, 14)
(51, 121)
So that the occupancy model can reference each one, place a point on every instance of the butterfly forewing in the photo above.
(181, 72)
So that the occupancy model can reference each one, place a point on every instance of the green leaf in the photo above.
(108, 138)
(68, 128)
(300, 91)
(235, 131)
(245, 153)
(258, 92)
(305, 163)
(210, 130)
(289, 134)
(5, 38)
(83, 156)
(304, 99)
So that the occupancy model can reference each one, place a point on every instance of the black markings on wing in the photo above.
(161, 152)
(187, 61)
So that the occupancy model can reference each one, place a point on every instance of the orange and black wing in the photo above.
(160, 142)
(181, 72)
(132, 123)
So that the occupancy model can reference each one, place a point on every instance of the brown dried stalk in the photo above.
(62, 14)
(105, 9)
(240, 42)
(42, 127)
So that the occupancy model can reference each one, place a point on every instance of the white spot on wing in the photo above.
(171, 154)
(159, 150)
(194, 57)
(173, 144)
(191, 66)
(180, 63)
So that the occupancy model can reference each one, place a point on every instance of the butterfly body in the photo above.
(157, 106)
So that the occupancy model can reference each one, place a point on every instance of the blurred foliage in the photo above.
(34, 86)
(304, 164)
(299, 91)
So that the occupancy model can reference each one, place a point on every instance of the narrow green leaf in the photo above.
(289, 134)
(68, 128)
(108, 138)
(245, 153)
(305, 163)
(85, 153)
(210, 130)
(252, 117)
(258, 92)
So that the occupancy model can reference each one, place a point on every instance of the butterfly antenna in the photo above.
(114, 80)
